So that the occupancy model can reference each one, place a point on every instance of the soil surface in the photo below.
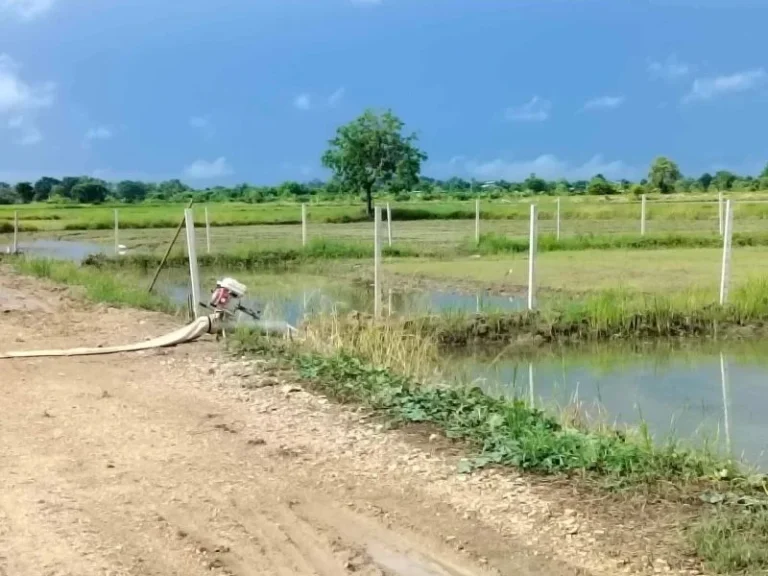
(187, 462)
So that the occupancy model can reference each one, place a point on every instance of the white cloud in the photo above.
(202, 169)
(99, 133)
(335, 98)
(709, 88)
(302, 102)
(604, 103)
(16, 94)
(536, 110)
(29, 133)
(546, 166)
(670, 68)
(26, 9)
(201, 122)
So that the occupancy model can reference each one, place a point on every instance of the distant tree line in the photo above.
(664, 177)
(368, 156)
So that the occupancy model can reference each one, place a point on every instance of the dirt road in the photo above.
(183, 462)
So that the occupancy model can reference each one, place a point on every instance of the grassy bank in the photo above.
(316, 250)
(609, 316)
(730, 535)
(113, 289)
(497, 244)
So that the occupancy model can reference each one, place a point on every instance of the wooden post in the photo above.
(194, 274)
(532, 239)
(725, 275)
(117, 234)
(557, 223)
(477, 221)
(720, 211)
(642, 215)
(303, 224)
(207, 232)
(16, 232)
(170, 247)
(376, 263)
(389, 225)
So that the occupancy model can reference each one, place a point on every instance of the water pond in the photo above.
(701, 395)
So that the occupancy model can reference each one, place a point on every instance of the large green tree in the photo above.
(372, 152)
(663, 175)
(43, 188)
(92, 192)
(26, 192)
(724, 180)
(599, 186)
(131, 191)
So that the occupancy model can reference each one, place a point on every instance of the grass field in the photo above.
(658, 271)
(689, 208)
(436, 234)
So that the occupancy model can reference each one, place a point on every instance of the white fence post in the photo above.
(725, 276)
(642, 215)
(376, 262)
(725, 385)
(477, 221)
(532, 260)
(389, 225)
(117, 234)
(720, 211)
(303, 224)
(207, 232)
(557, 223)
(194, 273)
(531, 390)
(16, 232)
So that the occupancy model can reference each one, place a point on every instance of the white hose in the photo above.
(189, 333)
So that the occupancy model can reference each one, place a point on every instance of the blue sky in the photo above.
(227, 91)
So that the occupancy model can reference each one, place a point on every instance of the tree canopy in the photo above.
(664, 174)
(372, 152)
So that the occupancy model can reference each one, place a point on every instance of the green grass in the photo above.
(610, 316)
(734, 541)
(653, 271)
(494, 244)
(679, 208)
(255, 259)
(501, 431)
(113, 289)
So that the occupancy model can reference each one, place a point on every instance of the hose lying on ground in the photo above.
(201, 326)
